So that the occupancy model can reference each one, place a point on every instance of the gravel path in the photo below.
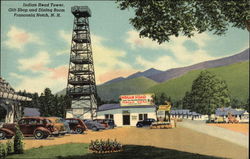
(222, 133)
(180, 138)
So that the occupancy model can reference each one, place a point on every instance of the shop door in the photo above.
(126, 119)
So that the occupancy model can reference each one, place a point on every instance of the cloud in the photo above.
(36, 63)
(54, 78)
(65, 35)
(18, 38)
(107, 60)
(176, 53)
(60, 72)
(39, 83)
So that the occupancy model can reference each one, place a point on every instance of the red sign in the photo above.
(137, 100)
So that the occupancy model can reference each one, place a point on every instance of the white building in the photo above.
(126, 115)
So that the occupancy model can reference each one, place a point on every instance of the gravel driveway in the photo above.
(180, 138)
(222, 133)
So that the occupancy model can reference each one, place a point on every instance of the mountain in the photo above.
(112, 91)
(177, 72)
(147, 73)
(118, 79)
(236, 76)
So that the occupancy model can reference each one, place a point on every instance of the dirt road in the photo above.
(241, 128)
(180, 138)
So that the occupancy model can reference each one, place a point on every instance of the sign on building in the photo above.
(165, 107)
(137, 100)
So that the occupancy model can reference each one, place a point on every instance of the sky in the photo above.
(35, 50)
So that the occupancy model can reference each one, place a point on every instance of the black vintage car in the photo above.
(145, 122)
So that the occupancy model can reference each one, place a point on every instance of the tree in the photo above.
(207, 93)
(47, 103)
(159, 20)
(187, 101)
(18, 141)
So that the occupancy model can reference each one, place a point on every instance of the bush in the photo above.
(108, 146)
(10, 147)
(18, 143)
(3, 150)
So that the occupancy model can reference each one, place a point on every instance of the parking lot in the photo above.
(180, 138)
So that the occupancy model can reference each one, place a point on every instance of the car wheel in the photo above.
(62, 134)
(79, 130)
(139, 125)
(95, 128)
(45, 136)
(2, 135)
(9, 137)
(39, 134)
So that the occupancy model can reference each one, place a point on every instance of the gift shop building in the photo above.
(130, 110)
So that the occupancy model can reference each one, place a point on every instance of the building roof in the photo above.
(7, 92)
(117, 106)
(31, 112)
(225, 111)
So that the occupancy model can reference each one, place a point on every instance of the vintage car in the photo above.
(60, 124)
(146, 122)
(102, 122)
(93, 125)
(39, 127)
(76, 125)
(107, 123)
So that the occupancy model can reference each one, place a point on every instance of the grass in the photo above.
(235, 75)
(80, 151)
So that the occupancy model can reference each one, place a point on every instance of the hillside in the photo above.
(128, 86)
(236, 76)
(177, 72)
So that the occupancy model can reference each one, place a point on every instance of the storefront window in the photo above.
(140, 117)
(109, 116)
(143, 116)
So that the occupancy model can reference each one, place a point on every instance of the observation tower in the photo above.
(81, 85)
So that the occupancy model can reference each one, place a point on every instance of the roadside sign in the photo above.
(137, 100)
(165, 107)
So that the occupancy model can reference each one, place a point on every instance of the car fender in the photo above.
(79, 126)
(43, 129)
(7, 131)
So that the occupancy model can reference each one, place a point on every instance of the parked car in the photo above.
(146, 122)
(102, 122)
(39, 127)
(76, 125)
(111, 123)
(60, 124)
(93, 125)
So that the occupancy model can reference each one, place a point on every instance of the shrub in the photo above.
(108, 146)
(10, 147)
(18, 143)
(3, 150)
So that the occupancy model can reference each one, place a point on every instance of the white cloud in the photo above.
(39, 83)
(66, 36)
(181, 56)
(36, 63)
(107, 60)
(63, 52)
(18, 38)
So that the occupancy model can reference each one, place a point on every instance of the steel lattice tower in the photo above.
(81, 85)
